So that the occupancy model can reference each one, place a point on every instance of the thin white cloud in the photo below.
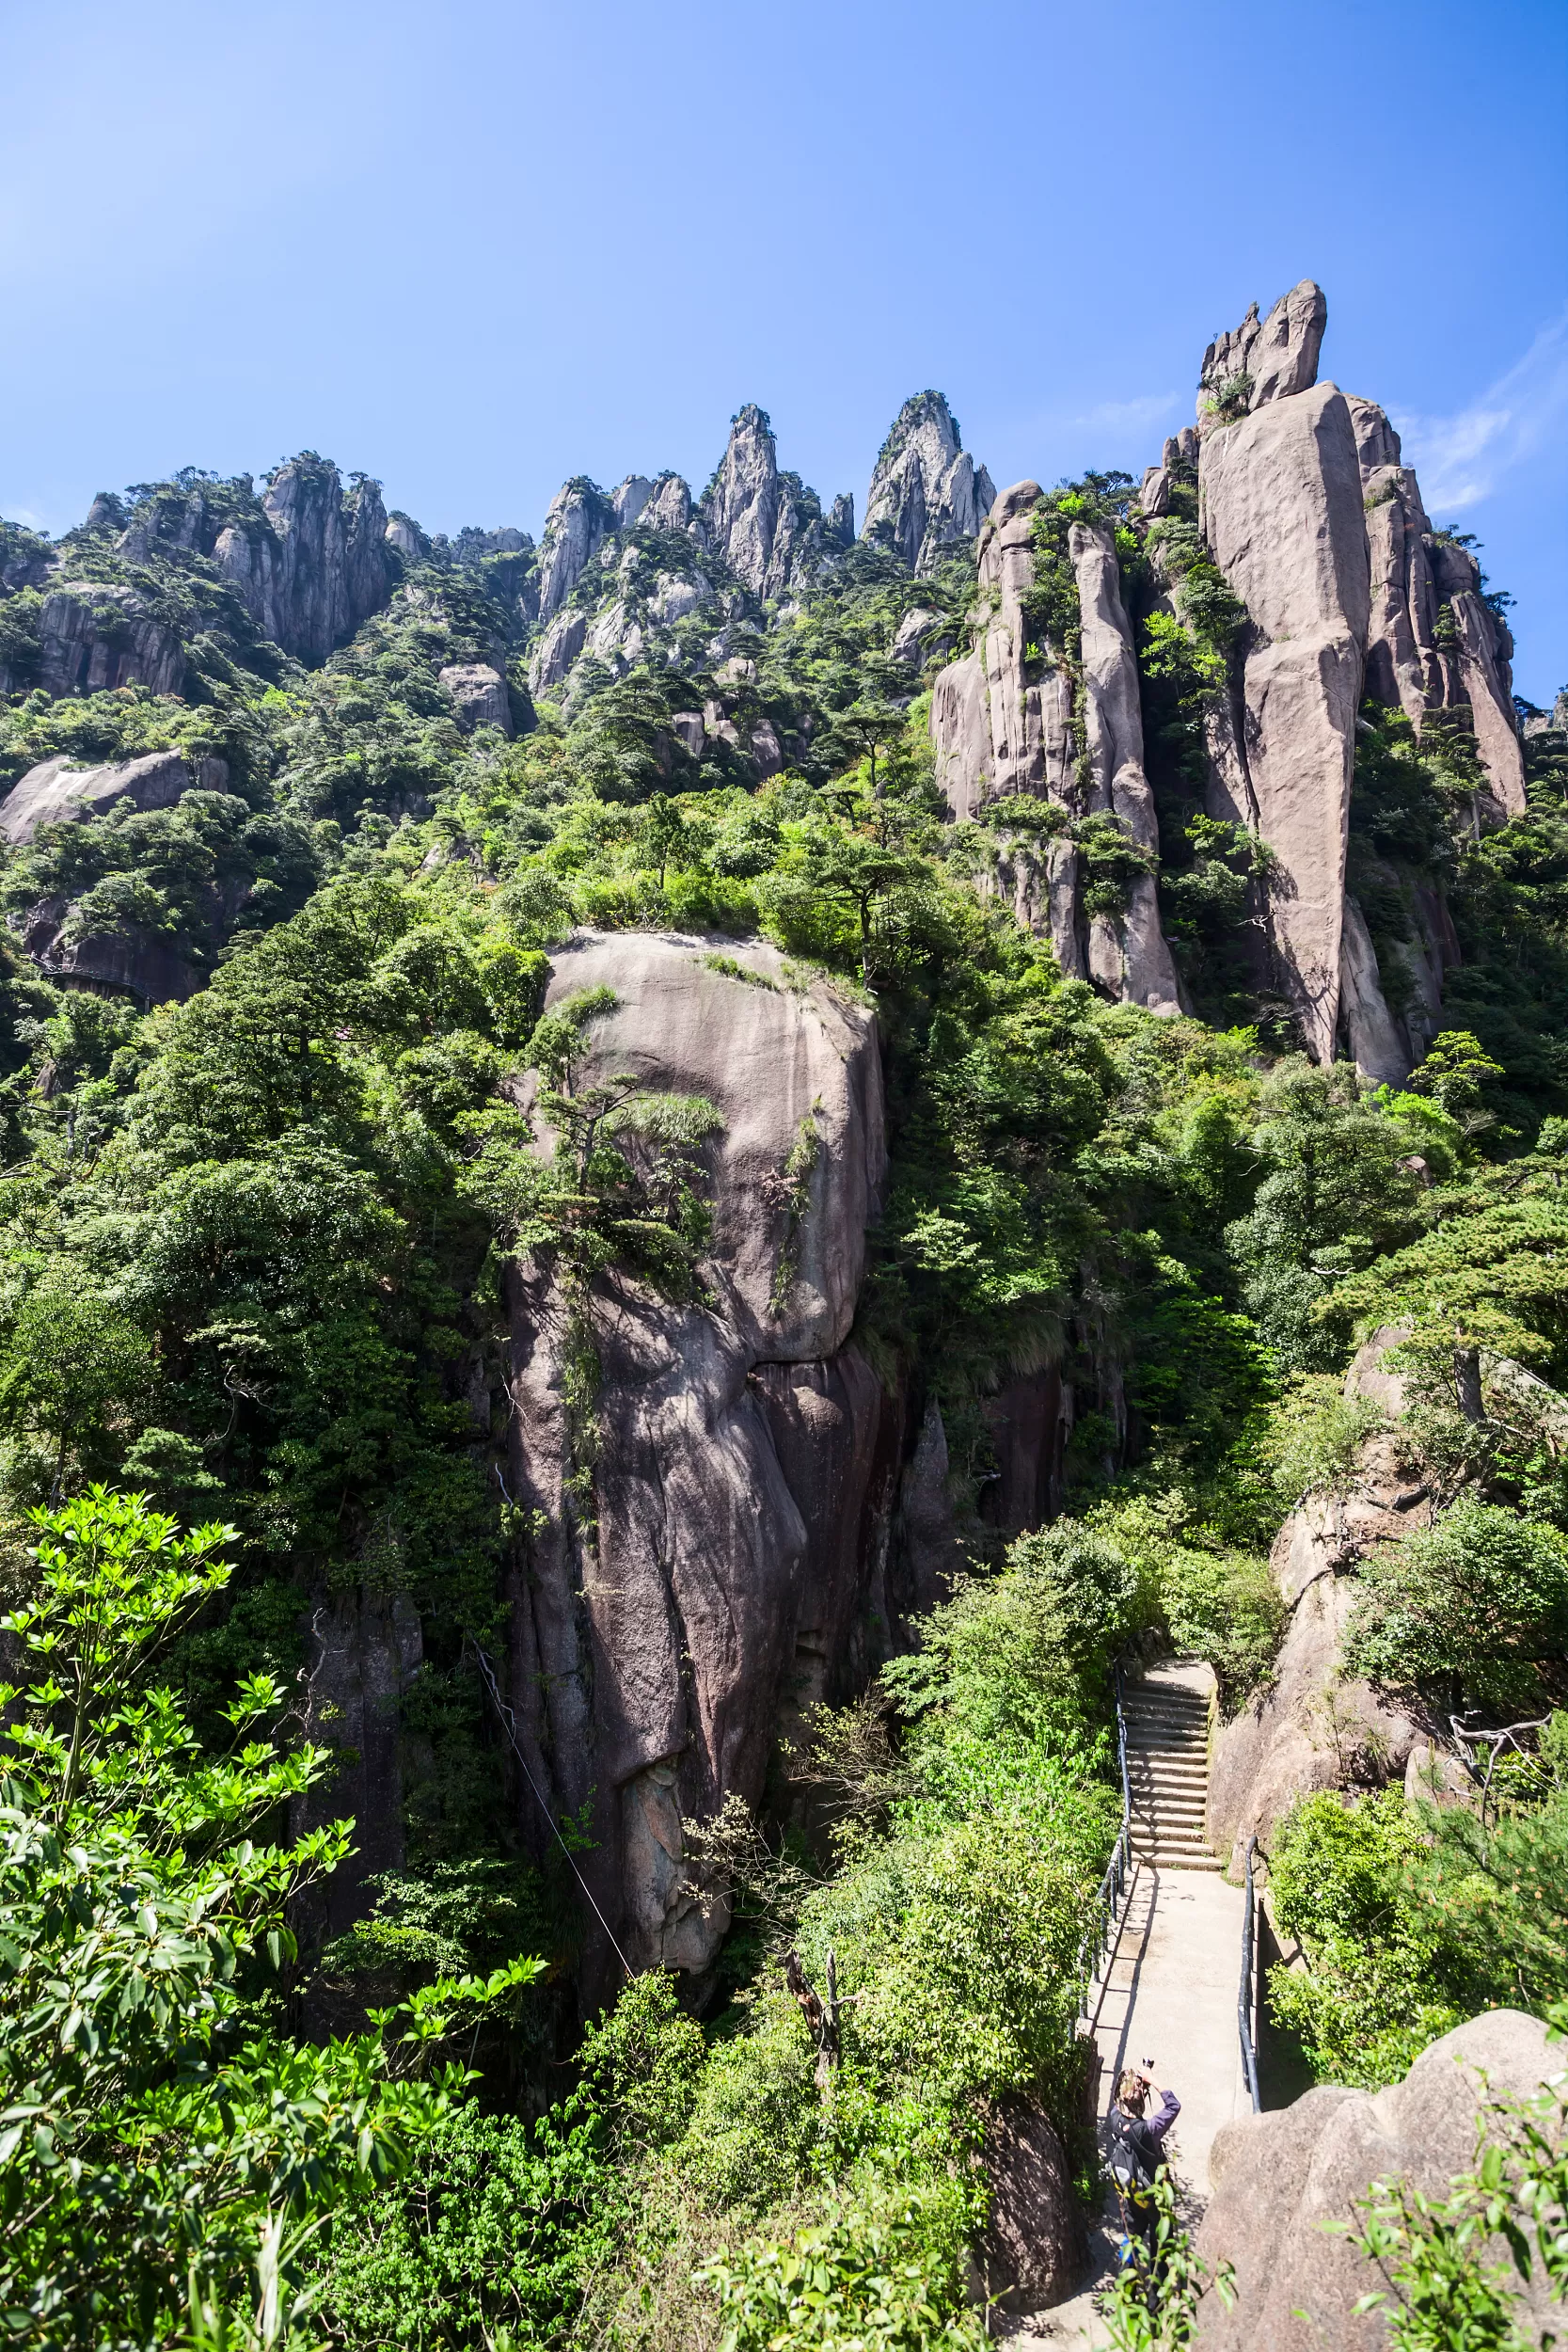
(22, 515)
(1130, 415)
(1462, 459)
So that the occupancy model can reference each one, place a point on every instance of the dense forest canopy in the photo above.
(292, 1124)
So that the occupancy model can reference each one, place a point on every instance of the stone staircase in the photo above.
(1167, 1766)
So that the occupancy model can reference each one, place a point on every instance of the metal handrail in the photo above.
(1113, 1886)
(1245, 1998)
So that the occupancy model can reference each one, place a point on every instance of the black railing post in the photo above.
(1107, 1902)
(1245, 1997)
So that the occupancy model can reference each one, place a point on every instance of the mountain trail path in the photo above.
(1169, 1990)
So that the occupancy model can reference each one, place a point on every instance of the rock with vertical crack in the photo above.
(657, 1637)
(573, 529)
(1003, 724)
(1281, 510)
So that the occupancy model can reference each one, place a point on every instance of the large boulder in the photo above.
(735, 1558)
(1281, 508)
(480, 693)
(56, 792)
(1284, 2181)
(1036, 2247)
(927, 492)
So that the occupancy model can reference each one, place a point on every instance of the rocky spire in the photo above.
(739, 512)
(1266, 359)
(927, 491)
(314, 563)
(574, 530)
(767, 525)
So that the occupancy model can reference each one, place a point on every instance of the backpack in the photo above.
(1126, 2154)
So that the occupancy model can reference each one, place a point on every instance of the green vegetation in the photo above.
(259, 1252)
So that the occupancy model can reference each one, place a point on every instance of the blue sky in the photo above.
(475, 249)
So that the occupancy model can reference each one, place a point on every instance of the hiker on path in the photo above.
(1135, 2152)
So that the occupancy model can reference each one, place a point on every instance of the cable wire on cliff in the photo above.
(509, 1724)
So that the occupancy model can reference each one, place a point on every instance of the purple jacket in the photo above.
(1158, 2125)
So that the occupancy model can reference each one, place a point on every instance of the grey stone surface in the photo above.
(927, 491)
(574, 530)
(740, 1439)
(1280, 2177)
(366, 1652)
(480, 693)
(314, 564)
(1002, 724)
(1281, 507)
(1314, 1727)
(1037, 2242)
(95, 635)
(56, 793)
(1279, 354)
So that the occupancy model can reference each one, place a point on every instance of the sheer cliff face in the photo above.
(314, 562)
(1003, 724)
(1321, 530)
(745, 1474)
(1280, 496)
(927, 492)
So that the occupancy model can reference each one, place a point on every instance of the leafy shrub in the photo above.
(1370, 1998)
(878, 2275)
(498, 2230)
(1226, 1607)
(1471, 1610)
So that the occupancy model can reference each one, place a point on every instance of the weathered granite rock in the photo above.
(130, 956)
(314, 562)
(1180, 453)
(1277, 355)
(1413, 664)
(1280, 2177)
(740, 512)
(574, 530)
(927, 491)
(766, 525)
(1379, 1045)
(669, 503)
(916, 637)
(1553, 721)
(1281, 508)
(1036, 2241)
(1003, 723)
(1482, 657)
(95, 635)
(562, 641)
(406, 538)
(838, 524)
(650, 1661)
(480, 693)
(1128, 952)
(629, 500)
(57, 793)
(1313, 1728)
